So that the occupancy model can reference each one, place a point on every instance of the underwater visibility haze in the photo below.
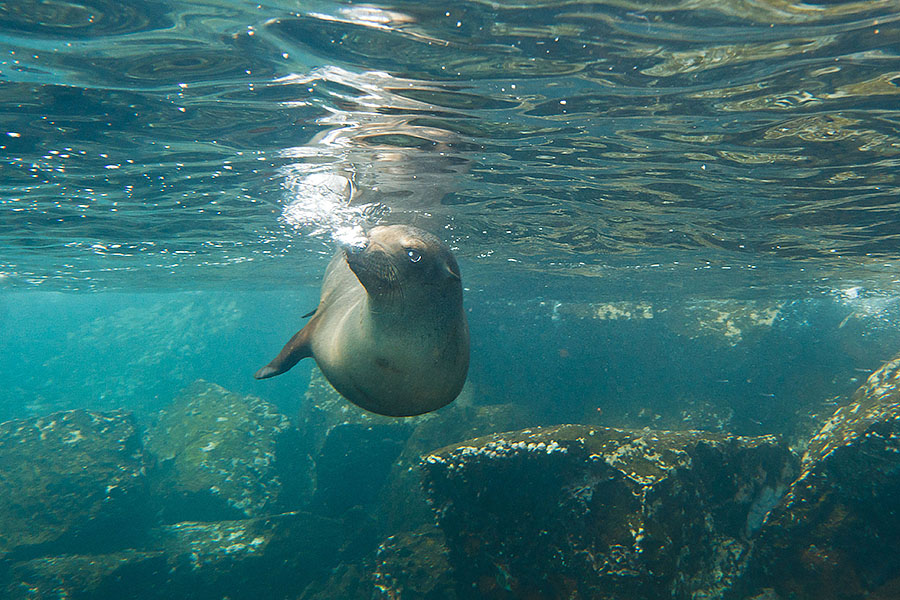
(677, 229)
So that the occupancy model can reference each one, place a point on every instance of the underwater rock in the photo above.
(403, 505)
(126, 575)
(73, 479)
(368, 460)
(603, 311)
(415, 565)
(167, 344)
(720, 322)
(353, 465)
(352, 449)
(193, 561)
(280, 554)
(731, 321)
(221, 455)
(836, 533)
(408, 565)
(350, 581)
(580, 512)
(366, 465)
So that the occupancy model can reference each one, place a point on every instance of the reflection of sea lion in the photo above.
(389, 332)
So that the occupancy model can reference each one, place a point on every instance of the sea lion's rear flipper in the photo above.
(293, 352)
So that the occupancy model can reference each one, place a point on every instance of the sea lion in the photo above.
(389, 333)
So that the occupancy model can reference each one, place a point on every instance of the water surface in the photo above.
(698, 147)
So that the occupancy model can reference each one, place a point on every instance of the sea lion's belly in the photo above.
(395, 370)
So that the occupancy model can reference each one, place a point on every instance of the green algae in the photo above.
(836, 533)
(69, 476)
(579, 511)
(220, 454)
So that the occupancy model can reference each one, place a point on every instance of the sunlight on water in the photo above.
(224, 138)
(366, 136)
(318, 204)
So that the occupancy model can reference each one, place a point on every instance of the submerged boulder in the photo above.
(73, 479)
(351, 448)
(279, 555)
(367, 461)
(403, 505)
(273, 558)
(125, 575)
(353, 465)
(580, 512)
(414, 565)
(836, 533)
(221, 455)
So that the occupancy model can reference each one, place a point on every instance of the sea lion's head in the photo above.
(399, 260)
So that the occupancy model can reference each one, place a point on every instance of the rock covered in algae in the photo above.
(367, 460)
(352, 449)
(223, 455)
(70, 479)
(237, 559)
(580, 512)
(836, 533)
(125, 575)
(414, 565)
(323, 410)
(407, 565)
(402, 504)
(353, 465)
(273, 558)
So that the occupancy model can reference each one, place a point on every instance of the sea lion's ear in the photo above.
(448, 269)
(450, 266)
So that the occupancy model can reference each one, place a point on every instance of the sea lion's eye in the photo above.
(414, 255)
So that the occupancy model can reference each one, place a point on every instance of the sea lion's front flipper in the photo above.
(293, 352)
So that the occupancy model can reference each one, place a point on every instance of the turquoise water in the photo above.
(175, 175)
(667, 214)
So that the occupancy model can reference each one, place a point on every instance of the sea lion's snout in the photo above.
(354, 252)
(373, 266)
(355, 249)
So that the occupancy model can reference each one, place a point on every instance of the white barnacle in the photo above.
(74, 436)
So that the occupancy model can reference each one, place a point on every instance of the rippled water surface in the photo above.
(703, 146)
